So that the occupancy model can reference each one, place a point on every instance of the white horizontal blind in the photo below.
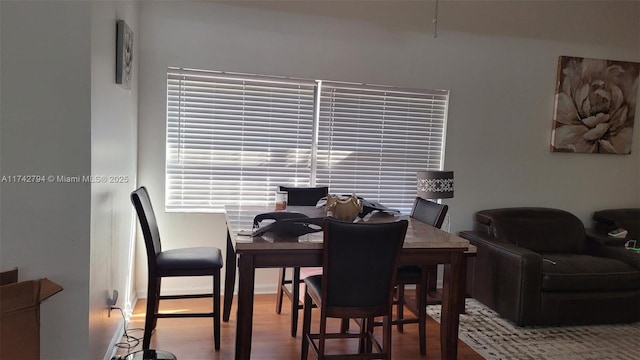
(373, 139)
(232, 138)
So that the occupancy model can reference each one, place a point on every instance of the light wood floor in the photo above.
(192, 339)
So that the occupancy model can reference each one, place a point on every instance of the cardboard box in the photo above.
(20, 314)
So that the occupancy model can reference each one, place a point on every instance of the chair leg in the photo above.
(432, 271)
(150, 318)
(157, 302)
(216, 309)
(295, 302)
(386, 336)
(231, 260)
(344, 325)
(362, 335)
(281, 282)
(306, 327)
(322, 338)
(369, 335)
(400, 307)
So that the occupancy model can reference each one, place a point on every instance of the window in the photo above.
(233, 138)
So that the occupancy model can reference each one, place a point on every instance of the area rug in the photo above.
(497, 339)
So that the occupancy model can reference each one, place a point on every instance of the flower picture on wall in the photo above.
(595, 105)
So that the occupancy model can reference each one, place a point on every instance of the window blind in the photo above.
(373, 139)
(232, 138)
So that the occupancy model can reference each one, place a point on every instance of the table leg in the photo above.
(244, 327)
(295, 295)
(421, 301)
(451, 297)
(463, 286)
(229, 278)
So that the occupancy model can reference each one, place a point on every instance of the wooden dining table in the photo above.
(423, 245)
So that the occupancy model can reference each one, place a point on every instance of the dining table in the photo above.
(423, 245)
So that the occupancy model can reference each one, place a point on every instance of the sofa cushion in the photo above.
(576, 272)
(542, 230)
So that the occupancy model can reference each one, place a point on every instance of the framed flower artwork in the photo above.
(595, 105)
(124, 54)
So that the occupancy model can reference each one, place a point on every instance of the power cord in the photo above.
(130, 342)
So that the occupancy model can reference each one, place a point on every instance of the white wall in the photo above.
(114, 131)
(498, 59)
(63, 114)
(46, 130)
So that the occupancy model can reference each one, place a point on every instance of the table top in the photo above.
(240, 219)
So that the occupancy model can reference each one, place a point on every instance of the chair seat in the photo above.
(189, 261)
(314, 284)
(578, 272)
(306, 272)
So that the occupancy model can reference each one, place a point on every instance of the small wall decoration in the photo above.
(124, 54)
(595, 105)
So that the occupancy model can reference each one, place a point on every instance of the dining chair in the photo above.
(297, 196)
(423, 277)
(359, 266)
(304, 196)
(194, 261)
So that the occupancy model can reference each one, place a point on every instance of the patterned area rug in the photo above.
(495, 338)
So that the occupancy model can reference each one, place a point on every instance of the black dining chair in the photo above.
(359, 267)
(297, 196)
(423, 277)
(195, 261)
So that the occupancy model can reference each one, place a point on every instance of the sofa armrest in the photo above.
(507, 278)
(609, 219)
(506, 249)
(595, 237)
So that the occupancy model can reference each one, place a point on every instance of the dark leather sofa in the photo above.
(534, 266)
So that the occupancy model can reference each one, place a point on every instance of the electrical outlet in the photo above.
(111, 302)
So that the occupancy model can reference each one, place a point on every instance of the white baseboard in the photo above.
(122, 323)
(117, 337)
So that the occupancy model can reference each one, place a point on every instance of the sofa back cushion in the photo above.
(611, 219)
(542, 230)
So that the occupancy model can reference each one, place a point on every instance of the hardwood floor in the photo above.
(192, 339)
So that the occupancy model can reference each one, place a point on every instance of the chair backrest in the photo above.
(305, 196)
(147, 218)
(359, 264)
(429, 212)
